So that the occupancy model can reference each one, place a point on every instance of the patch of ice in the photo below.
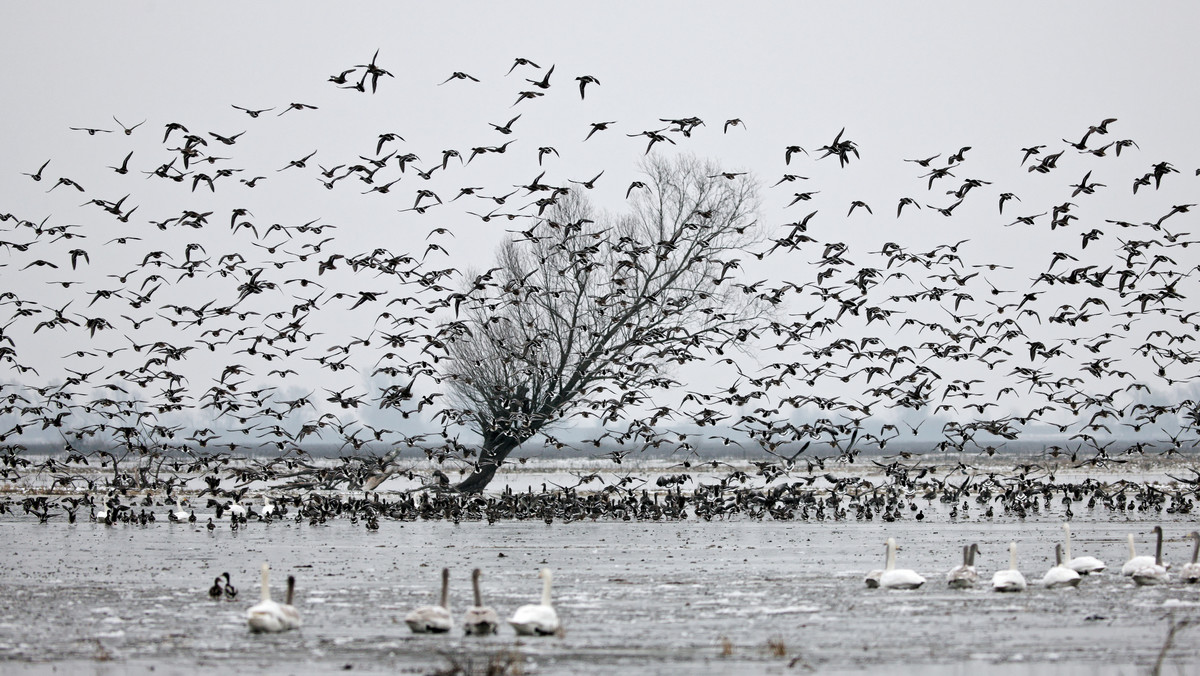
(791, 610)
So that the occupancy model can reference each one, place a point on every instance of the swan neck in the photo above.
(446, 588)
(891, 555)
(1012, 556)
(266, 583)
(291, 589)
(1132, 551)
(1196, 548)
(475, 587)
(546, 587)
(1158, 549)
(966, 555)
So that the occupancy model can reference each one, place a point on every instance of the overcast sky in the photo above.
(906, 80)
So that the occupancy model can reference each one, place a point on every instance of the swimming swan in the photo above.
(1010, 580)
(1191, 571)
(898, 578)
(1084, 565)
(1155, 573)
(539, 619)
(479, 620)
(268, 616)
(433, 619)
(1135, 561)
(1060, 575)
(965, 575)
(178, 515)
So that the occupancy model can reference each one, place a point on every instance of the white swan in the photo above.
(1135, 561)
(1060, 575)
(1084, 565)
(236, 509)
(539, 619)
(268, 507)
(1010, 580)
(479, 620)
(179, 515)
(433, 619)
(965, 575)
(269, 616)
(1191, 571)
(1155, 573)
(898, 578)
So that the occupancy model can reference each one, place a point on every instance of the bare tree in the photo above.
(585, 314)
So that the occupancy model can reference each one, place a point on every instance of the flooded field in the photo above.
(739, 596)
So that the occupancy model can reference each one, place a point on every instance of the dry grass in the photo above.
(503, 663)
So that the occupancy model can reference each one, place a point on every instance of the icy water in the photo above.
(635, 597)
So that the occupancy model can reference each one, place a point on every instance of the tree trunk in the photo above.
(491, 456)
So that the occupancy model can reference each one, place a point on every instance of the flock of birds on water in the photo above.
(1096, 346)
(541, 619)
(534, 619)
(1067, 571)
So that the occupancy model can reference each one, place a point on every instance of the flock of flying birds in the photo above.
(190, 329)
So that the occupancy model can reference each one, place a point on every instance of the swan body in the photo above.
(268, 508)
(898, 578)
(964, 575)
(1010, 580)
(537, 619)
(236, 509)
(179, 515)
(479, 620)
(1084, 565)
(1191, 571)
(1156, 572)
(1060, 575)
(433, 619)
(267, 616)
(1135, 562)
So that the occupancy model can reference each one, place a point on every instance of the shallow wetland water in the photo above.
(692, 597)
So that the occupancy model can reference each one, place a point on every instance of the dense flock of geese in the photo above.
(763, 492)
(188, 350)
